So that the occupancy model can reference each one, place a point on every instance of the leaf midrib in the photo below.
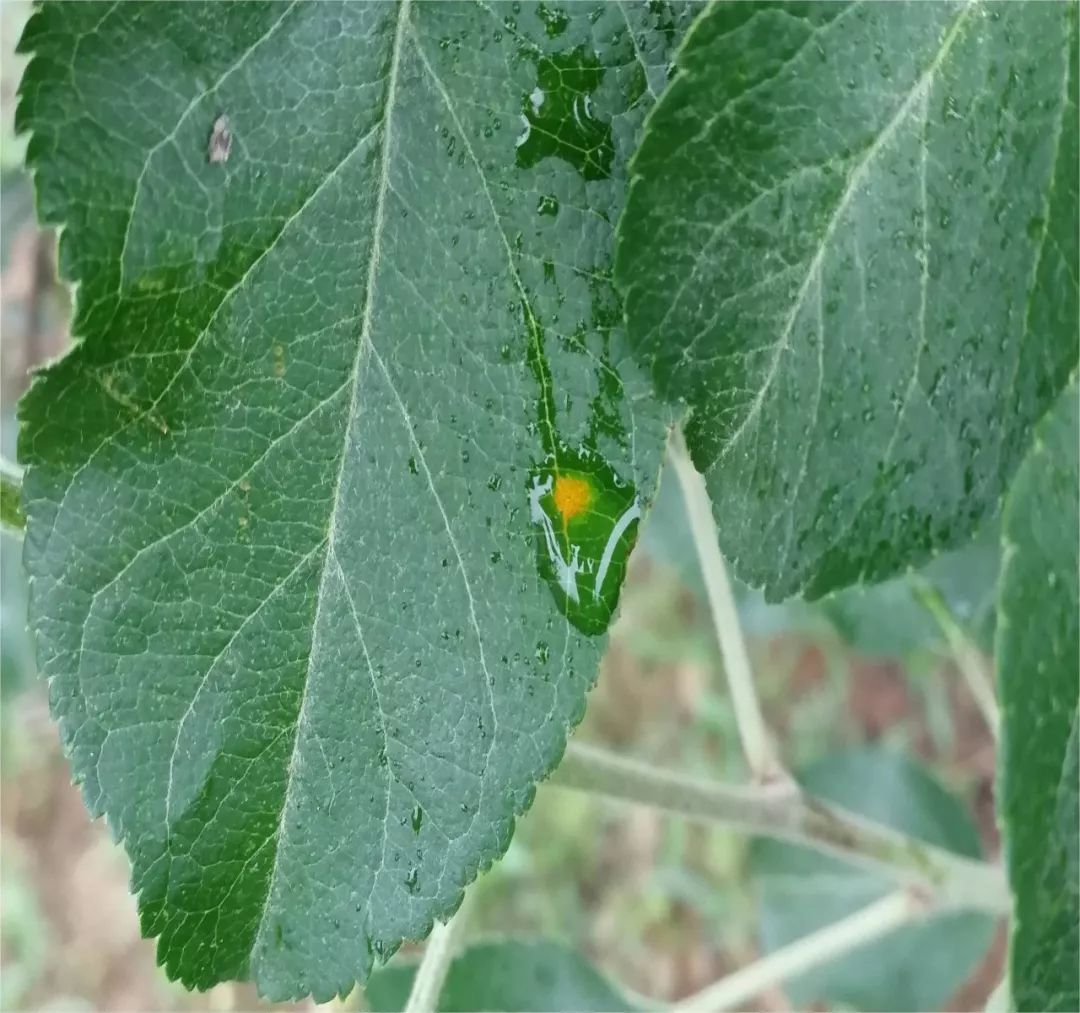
(363, 345)
(952, 446)
(856, 175)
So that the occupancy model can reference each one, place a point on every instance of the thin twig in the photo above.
(817, 948)
(11, 515)
(954, 881)
(761, 755)
(442, 947)
(969, 659)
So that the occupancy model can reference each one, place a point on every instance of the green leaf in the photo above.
(299, 599)
(1038, 642)
(917, 967)
(850, 248)
(511, 976)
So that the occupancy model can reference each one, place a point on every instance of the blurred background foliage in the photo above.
(860, 689)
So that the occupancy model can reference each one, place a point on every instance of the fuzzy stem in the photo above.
(757, 744)
(953, 880)
(11, 515)
(870, 923)
(968, 657)
(442, 947)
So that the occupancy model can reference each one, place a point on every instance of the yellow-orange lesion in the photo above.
(572, 496)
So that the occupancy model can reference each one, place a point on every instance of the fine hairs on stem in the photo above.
(864, 926)
(950, 880)
(761, 755)
(442, 946)
(968, 658)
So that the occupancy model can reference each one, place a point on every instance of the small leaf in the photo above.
(1038, 643)
(511, 976)
(850, 248)
(917, 967)
(292, 583)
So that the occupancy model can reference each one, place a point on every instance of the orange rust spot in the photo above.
(572, 496)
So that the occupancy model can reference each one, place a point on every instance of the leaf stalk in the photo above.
(442, 947)
(871, 922)
(968, 658)
(758, 748)
(951, 880)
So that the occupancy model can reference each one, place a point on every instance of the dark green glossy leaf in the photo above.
(1038, 644)
(513, 977)
(850, 247)
(916, 967)
(337, 314)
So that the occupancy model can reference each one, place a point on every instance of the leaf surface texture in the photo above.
(1038, 643)
(286, 583)
(850, 248)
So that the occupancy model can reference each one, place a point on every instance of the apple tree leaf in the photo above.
(1038, 643)
(331, 500)
(850, 249)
